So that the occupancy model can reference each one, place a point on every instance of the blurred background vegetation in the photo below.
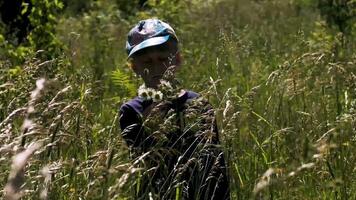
(281, 75)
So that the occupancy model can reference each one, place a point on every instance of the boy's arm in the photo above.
(131, 127)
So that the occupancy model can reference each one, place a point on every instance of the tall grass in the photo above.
(281, 81)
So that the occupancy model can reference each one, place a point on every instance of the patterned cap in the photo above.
(147, 33)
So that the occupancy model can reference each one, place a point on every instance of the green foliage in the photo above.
(339, 13)
(129, 7)
(43, 18)
(281, 79)
(124, 82)
(76, 7)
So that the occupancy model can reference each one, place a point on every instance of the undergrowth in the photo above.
(280, 78)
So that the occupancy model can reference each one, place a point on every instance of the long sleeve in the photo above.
(132, 130)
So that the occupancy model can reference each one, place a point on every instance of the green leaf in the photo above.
(122, 80)
(24, 8)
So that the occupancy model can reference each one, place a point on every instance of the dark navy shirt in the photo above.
(209, 181)
(131, 112)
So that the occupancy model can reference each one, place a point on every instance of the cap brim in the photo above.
(149, 43)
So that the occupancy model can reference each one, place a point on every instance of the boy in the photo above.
(182, 158)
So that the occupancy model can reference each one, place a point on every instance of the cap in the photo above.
(147, 33)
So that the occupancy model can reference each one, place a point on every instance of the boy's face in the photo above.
(151, 63)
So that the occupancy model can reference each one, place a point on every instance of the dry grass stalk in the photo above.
(16, 178)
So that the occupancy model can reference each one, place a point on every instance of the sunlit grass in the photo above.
(282, 85)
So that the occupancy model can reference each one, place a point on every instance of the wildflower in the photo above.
(150, 92)
(143, 92)
(158, 96)
(165, 85)
(142, 87)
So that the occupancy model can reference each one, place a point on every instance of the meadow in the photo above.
(281, 76)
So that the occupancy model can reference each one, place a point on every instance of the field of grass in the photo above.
(280, 75)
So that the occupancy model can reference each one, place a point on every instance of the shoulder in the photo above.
(136, 105)
(192, 94)
(188, 96)
(184, 98)
(198, 101)
(131, 105)
(131, 112)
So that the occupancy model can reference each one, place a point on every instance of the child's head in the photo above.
(152, 46)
